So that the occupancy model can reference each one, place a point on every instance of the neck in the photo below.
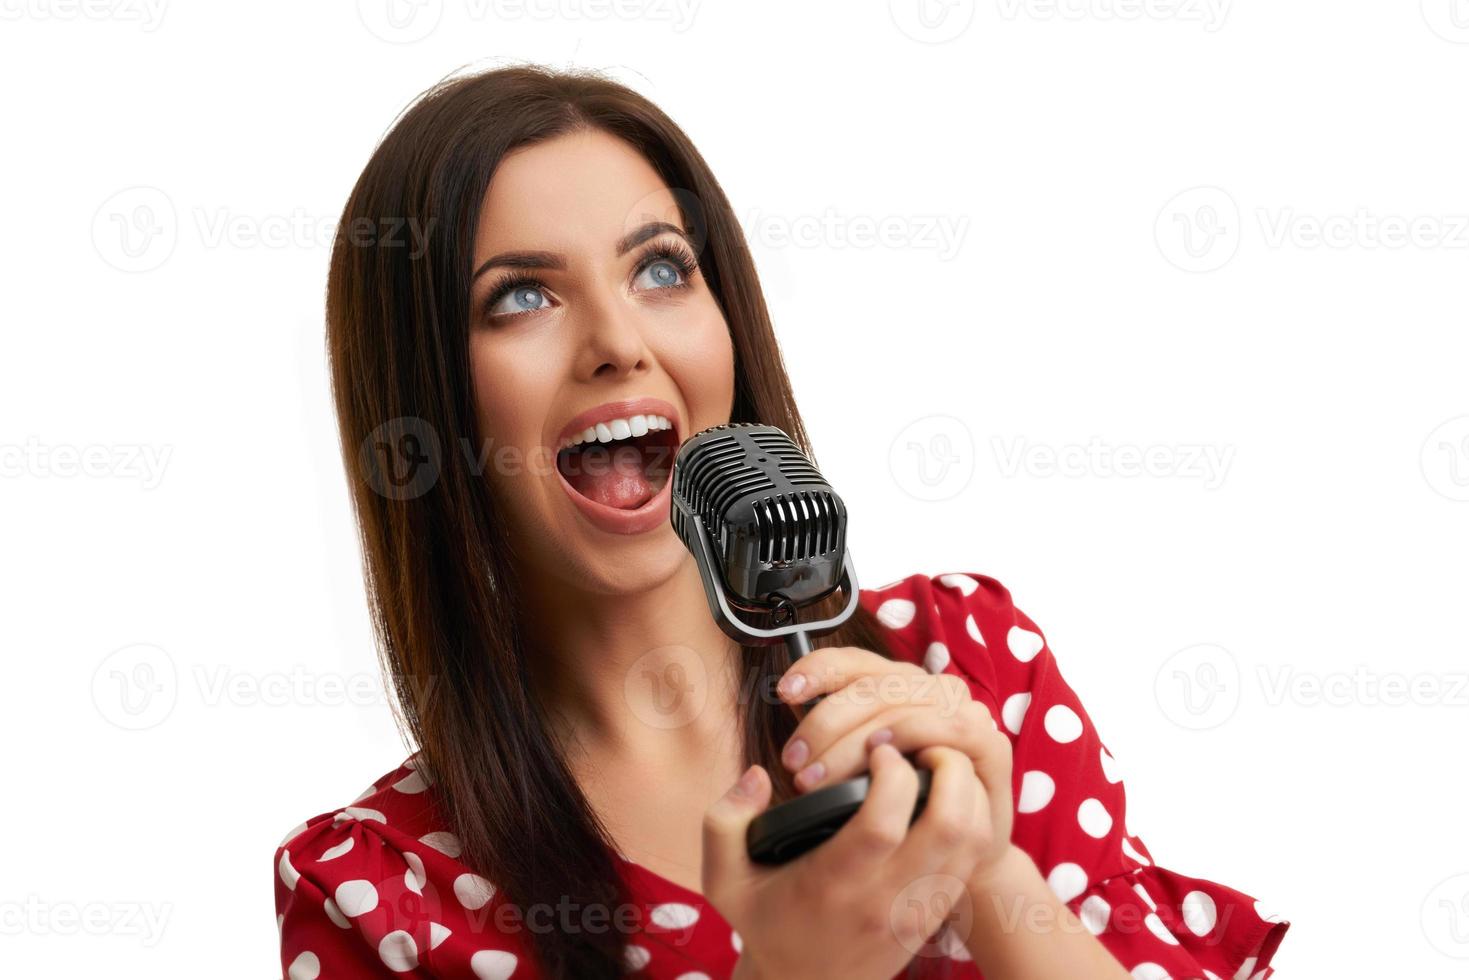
(647, 677)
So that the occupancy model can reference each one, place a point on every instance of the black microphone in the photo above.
(769, 536)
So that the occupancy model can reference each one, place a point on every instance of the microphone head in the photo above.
(773, 522)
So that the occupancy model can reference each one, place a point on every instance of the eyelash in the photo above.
(673, 252)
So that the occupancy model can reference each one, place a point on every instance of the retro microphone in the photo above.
(769, 535)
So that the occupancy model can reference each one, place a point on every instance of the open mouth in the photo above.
(622, 473)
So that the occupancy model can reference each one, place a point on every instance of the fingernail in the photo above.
(795, 753)
(879, 737)
(792, 684)
(812, 774)
(746, 784)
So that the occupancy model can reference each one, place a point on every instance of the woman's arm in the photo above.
(1021, 931)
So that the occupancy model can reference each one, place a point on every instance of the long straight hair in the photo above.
(441, 580)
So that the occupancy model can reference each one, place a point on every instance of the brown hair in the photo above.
(440, 577)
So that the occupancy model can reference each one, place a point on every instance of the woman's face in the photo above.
(589, 313)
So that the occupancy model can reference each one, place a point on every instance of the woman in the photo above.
(592, 747)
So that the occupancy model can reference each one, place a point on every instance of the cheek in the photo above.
(703, 365)
(511, 410)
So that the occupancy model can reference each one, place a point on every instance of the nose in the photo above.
(614, 344)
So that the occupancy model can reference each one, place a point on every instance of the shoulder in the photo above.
(399, 802)
(375, 887)
(388, 827)
(939, 607)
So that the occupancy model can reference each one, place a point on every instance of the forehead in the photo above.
(582, 189)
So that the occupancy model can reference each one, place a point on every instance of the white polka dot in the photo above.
(1133, 852)
(1210, 975)
(1063, 724)
(291, 836)
(359, 813)
(411, 783)
(1067, 880)
(1012, 712)
(1095, 913)
(335, 914)
(1156, 927)
(1150, 971)
(304, 967)
(1094, 818)
(896, 613)
(492, 964)
(331, 853)
(1142, 893)
(1024, 644)
(398, 951)
(473, 891)
(437, 933)
(1109, 768)
(693, 976)
(634, 958)
(1199, 913)
(366, 793)
(280, 923)
(443, 842)
(356, 897)
(1036, 790)
(936, 658)
(414, 877)
(674, 915)
(1245, 969)
(287, 871)
(736, 941)
(972, 628)
(956, 580)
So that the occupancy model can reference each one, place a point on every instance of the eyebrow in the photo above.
(550, 260)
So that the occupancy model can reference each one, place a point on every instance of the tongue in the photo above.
(620, 480)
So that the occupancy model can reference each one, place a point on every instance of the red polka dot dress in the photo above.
(376, 888)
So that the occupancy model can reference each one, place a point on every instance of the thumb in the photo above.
(725, 856)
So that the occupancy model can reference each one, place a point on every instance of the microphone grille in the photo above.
(775, 521)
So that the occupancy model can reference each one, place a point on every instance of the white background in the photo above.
(1208, 230)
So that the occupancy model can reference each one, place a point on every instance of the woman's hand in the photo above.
(870, 700)
(865, 901)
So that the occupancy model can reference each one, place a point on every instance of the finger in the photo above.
(852, 708)
(726, 862)
(880, 823)
(841, 740)
(830, 669)
(966, 729)
(954, 824)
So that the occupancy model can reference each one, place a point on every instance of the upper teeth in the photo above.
(633, 425)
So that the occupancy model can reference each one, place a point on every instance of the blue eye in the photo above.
(659, 274)
(519, 299)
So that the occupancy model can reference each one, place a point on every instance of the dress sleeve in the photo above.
(338, 899)
(1070, 804)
